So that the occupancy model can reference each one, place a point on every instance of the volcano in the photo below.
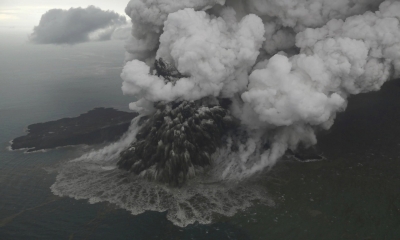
(178, 139)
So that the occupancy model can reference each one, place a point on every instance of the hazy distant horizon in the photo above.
(51, 70)
(26, 14)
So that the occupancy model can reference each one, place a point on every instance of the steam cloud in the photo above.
(287, 66)
(78, 25)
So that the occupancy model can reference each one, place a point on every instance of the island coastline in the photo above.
(97, 126)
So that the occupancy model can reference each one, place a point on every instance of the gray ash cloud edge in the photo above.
(78, 25)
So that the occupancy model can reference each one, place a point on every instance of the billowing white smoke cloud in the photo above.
(216, 57)
(148, 19)
(78, 25)
(285, 18)
(301, 14)
(329, 50)
(341, 58)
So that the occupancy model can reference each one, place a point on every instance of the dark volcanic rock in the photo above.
(179, 137)
(96, 126)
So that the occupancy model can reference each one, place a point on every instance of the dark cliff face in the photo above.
(178, 139)
(96, 126)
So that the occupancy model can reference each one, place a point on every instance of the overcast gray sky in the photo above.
(25, 14)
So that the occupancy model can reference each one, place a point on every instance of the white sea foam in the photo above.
(309, 160)
(9, 148)
(94, 177)
(26, 150)
(36, 151)
(195, 202)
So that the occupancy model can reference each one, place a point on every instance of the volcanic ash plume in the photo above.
(286, 69)
(225, 89)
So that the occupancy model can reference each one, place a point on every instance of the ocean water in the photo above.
(41, 83)
(354, 194)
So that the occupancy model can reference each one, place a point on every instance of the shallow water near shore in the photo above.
(354, 194)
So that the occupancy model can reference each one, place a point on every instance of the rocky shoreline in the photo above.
(94, 127)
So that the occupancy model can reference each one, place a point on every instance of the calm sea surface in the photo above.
(355, 194)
